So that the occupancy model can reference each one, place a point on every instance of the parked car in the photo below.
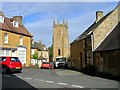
(10, 64)
(53, 64)
(61, 65)
(60, 62)
(46, 65)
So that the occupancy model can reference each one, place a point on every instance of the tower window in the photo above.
(59, 52)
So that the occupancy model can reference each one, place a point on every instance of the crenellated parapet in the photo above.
(58, 24)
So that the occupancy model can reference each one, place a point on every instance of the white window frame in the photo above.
(1, 19)
(4, 52)
(7, 52)
(5, 38)
(15, 24)
(21, 40)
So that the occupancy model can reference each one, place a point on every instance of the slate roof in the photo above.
(38, 46)
(112, 41)
(8, 26)
(91, 28)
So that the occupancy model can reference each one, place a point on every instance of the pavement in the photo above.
(63, 72)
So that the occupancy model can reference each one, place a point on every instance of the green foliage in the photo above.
(35, 56)
(50, 49)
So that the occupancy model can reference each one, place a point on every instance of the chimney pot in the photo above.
(99, 15)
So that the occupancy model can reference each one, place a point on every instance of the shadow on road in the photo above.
(10, 81)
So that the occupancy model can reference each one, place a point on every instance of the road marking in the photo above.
(37, 79)
(77, 86)
(49, 81)
(41, 80)
(62, 83)
(28, 78)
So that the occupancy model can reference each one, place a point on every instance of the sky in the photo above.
(38, 16)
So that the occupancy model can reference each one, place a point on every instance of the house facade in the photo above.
(84, 49)
(15, 39)
(40, 50)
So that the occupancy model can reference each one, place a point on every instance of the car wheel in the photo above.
(4, 70)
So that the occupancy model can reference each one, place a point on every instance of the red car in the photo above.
(10, 64)
(46, 65)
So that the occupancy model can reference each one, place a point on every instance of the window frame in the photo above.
(21, 40)
(59, 52)
(5, 38)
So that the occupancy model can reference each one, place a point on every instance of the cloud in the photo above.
(38, 16)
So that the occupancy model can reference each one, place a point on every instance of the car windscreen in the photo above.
(45, 63)
(2, 59)
(14, 59)
(60, 59)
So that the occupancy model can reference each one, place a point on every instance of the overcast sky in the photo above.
(38, 16)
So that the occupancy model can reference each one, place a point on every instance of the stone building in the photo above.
(41, 50)
(15, 40)
(84, 49)
(60, 40)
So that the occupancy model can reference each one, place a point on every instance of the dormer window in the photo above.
(15, 24)
(1, 19)
(21, 40)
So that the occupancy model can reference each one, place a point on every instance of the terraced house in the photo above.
(99, 45)
(15, 40)
(41, 50)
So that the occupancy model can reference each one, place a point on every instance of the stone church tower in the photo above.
(60, 39)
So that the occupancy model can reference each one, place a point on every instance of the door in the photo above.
(13, 54)
(22, 54)
(81, 60)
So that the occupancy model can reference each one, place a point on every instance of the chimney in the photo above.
(18, 19)
(99, 15)
(1, 13)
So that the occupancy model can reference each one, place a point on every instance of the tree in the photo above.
(35, 56)
(50, 49)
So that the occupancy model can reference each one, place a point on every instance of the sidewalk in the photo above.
(62, 72)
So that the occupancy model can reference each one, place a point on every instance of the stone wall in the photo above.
(14, 42)
(60, 40)
(78, 54)
(105, 28)
(108, 62)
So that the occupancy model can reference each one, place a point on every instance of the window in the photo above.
(7, 52)
(1, 52)
(58, 51)
(61, 33)
(15, 24)
(3, 58)
(6, 38)
(14, 59)
(21, 40)
(1, 19)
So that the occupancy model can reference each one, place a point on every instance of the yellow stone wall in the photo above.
(14, 41)
(105, 28)
(44, 54)
(77, 48)
(60, 40)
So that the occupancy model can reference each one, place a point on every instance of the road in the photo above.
(56, 78)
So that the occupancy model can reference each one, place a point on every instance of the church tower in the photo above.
(60, 39)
